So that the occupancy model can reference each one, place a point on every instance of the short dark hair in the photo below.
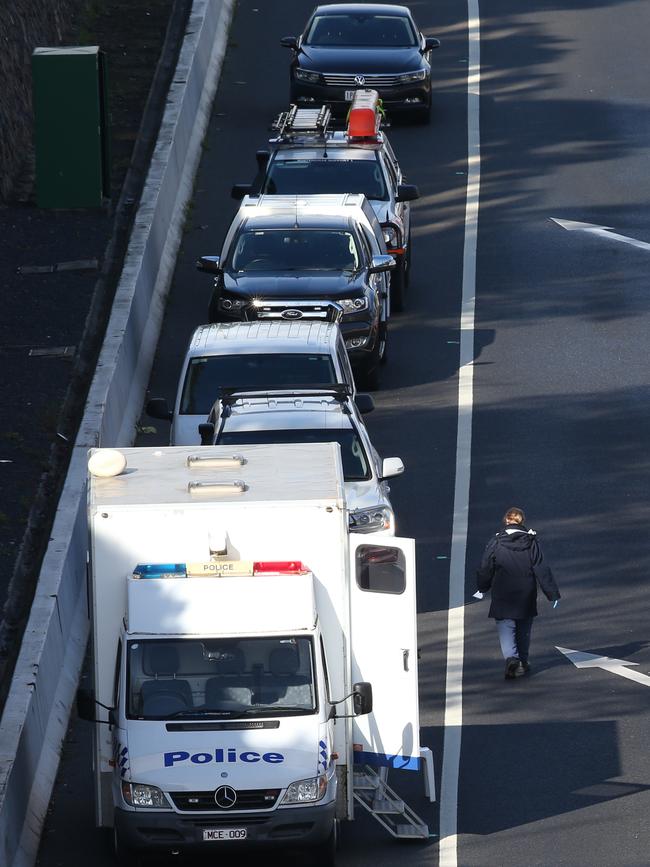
(514, 515)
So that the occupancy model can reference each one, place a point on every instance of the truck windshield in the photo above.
(295, 250)
(206, 374)
(355, 462)
(195, 678)
(333, 175)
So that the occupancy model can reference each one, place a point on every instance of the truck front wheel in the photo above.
(325, 854)
(123, 856)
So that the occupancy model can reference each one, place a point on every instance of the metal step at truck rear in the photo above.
(372, 791)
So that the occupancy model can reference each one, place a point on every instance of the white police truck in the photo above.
(255, 664)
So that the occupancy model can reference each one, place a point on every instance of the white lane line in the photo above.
(448, 848)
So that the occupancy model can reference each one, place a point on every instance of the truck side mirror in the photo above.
(86, 705)
(289, 42)
(431, 42)
(262, 157)
(209, 264)
(362, 698)
(381, 263)
(364, 403)
(157, 408)
(206, 432)
(391, 467)
(87, 708)
(238, 191)
(407, 193)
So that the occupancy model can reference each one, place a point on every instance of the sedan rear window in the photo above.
(206, 375)
(295, 250)
(316, 177)
(355, 461)
(388, 31)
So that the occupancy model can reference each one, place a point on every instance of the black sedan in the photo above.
(347, 46)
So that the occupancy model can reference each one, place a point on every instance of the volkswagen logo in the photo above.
(225, 797)
(360, 80)
(292, 314)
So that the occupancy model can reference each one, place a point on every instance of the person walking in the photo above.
(512, 566)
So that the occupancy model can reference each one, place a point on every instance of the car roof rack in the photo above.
(340, 391)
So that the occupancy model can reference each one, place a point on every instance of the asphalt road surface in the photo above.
(554, 768)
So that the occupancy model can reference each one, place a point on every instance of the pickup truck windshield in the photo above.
(205, 375)
(333, 175)
(195, 678)
(355, 462)
(295, 250)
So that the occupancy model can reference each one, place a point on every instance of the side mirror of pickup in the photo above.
(206, 432)
(362, 698)
(407, 193)
(157, 408)
(391, 467)
(209, 264)
(364, 403)
(289, 42)
(430, 43)
(381, 263)
(238, 191)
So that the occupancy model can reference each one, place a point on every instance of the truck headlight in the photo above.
(353, 305)
(139, 795)
(306, 75)
(304, 791)
(420, 75)
(232, 303)
(356, 342)
(371, 520)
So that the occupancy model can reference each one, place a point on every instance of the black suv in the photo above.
(308, 257)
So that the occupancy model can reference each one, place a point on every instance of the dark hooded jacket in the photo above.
(512, 567)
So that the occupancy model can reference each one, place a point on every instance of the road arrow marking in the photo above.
(614, 666)
(602, 231)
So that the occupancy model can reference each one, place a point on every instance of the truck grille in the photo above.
(347, 79)
(247, 799)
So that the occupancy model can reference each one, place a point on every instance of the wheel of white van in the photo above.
(325, 854)
(123, 856)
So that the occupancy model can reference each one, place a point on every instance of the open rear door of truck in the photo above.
(384, 650)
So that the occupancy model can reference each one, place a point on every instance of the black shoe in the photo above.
(513, 668)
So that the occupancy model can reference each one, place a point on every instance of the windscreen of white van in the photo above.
(198, 678)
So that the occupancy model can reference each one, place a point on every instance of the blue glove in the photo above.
(555, 604)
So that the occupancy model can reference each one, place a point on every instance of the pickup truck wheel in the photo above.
(213, 309)
(398, 283)
(383, 342)
(369, 373)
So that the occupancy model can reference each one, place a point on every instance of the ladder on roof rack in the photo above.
(301, 121)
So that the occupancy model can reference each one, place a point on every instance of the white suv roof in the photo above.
(329, 204)
(263, 336)
(282, 413)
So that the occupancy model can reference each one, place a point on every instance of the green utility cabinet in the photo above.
(70, 127)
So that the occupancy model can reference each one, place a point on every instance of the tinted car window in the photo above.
(355, 460)
(205, 375)
(389, 31)
(295, 250)
(314, 177)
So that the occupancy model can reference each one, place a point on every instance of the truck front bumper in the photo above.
(168, 832)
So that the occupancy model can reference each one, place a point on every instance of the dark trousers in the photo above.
(514, 637)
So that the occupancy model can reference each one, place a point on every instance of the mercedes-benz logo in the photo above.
(360, 80)
(225, 797)
(292, 314)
